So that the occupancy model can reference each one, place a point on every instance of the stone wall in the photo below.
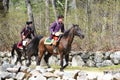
(9, 71)
(90, 59)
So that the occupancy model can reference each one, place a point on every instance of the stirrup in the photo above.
(55, 50)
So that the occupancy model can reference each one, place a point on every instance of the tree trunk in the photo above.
(65, 13)
(4, 6)
(88, 31)
(30, 14)
(54, 9)
(47, 16)
(75, 7)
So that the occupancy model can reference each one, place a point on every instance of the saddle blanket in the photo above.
(48, 41)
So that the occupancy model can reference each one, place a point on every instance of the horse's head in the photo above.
(77, 31)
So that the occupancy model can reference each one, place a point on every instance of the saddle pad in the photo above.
(48, 41)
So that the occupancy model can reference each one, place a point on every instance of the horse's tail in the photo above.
(36, 41)
(13, 48)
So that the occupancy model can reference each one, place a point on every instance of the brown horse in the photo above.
(64, 46)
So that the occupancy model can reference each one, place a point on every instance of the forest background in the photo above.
(98, 19)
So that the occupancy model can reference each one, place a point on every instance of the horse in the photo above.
(64, 46)
(31, 50)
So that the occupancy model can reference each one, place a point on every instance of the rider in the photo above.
(27, 34)
(56, 27)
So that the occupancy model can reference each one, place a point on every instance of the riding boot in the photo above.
(24, 51)
(54, 47)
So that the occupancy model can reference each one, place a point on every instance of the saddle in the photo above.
(19, 45)
(48, 41)
(23, 43)
(55, 39)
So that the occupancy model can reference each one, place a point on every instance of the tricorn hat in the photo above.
(29, 22)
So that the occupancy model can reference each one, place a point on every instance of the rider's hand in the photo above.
(53, 33)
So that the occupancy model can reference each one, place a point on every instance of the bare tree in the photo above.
(54, 9)
(4, 7)
(30, 14)
(75, 7)
(65, 13)
(47, 16)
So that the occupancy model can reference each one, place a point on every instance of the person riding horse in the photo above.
(27, 34)
(55, 31)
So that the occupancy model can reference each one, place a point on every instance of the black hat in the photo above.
(29, 22)
(60, 16)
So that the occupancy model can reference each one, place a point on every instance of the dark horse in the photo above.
(64, 46)
(31, 50)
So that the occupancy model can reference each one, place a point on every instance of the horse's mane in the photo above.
(33, 45)
(66, 33)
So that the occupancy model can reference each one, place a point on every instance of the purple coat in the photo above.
(27, 32)
(55, 27)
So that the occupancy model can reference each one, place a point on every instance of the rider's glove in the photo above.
(53, 33)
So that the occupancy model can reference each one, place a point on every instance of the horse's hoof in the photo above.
(28, 65)
(49, 66)
(61, 69)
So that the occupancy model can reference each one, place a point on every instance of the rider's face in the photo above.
(60, 20)
(30, 24)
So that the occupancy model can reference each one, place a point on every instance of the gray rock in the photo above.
(38, 77)
(40, 69)
(53, 60)
(92, 77)
(2, 54)
(98, 58)
(24, 69)
(85, 56)
(6, 75)
(99, 65)
(71, 75)
(59, 73)
(90, 63)
(5, 65)
(116, 76)
(115, 57)
(107, 77)
(7, 54)
(77, 61)
(107, 55)
(49, 75)
(20, 76)
(82, 76)
(107, 63)
(50, 70)
(35, 73)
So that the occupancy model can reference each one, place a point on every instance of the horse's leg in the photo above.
(29, 61)
(40, 54)
(66, 59)
(46, 57)
(19, 59)
(61, 61)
